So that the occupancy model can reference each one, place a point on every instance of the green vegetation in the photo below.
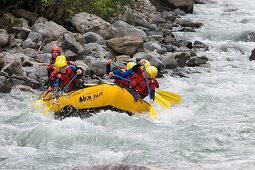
(63, 10)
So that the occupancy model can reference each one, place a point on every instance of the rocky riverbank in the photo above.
(26, 41)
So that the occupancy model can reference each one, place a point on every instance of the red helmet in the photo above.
(56, 49)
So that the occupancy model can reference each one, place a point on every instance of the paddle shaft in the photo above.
(118, 67)
(122, 78)
(147, 80)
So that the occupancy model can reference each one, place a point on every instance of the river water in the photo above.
(211, 128)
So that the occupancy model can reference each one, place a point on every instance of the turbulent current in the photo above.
(211, 128)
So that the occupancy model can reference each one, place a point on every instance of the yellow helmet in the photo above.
(59, 64)
(61, 57)
(130, 65)
(147, 64)
(153, 71)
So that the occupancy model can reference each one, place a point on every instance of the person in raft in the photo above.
(55, 52)
(118, 81)
(138, 83)
(62, 76)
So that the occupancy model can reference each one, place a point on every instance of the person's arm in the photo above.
(126, 74)
(152, 94)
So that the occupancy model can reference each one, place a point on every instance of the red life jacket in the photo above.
(65, 78)
(139, 83)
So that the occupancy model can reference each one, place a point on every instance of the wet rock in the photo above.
(169, 15)
(199, 46)
(179, 12)
(43, 58)
(124, 29)
(185, 5)
(69, 43)
(25, 88)
(22, 80)
(4, 38)
(85, 22)
(169, 61)
(5, 85)
(186, 23)
(127, 45)
(196, 61)
(252, 57)
(4, 74)
(186, 29)
(30, 52)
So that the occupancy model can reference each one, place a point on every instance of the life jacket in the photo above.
(139, 83)
(65, 78)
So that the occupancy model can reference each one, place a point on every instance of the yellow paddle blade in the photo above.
(163, 102)
(174, 98)
(153, 112)
(167, 93)
(46, 111)
(37, 104)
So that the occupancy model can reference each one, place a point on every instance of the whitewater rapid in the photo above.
(211, 128)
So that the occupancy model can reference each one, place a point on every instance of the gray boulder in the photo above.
(91, 37)
(196, 61)
(169, 61)
(4, 38)
(49, 29)
(97, 65)
(30, 16)
(28, 43)
(124, 29)
(85, 67)
(13, 68)
(85, 22)
(69, 43)
(96, 51)
(5, 85)
(35, 37)
(127, 45)
(153, 57)
(185, 5)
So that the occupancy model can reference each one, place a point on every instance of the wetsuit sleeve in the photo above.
(50, 83)
(152, 94)
(126, 74)
(108, 68)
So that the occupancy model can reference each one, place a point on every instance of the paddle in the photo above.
(172, 97)
(163, 102)
(46, 111)
(118, 67)
(38, 103)
(153, 112)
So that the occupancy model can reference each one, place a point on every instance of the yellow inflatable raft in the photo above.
(95, 98)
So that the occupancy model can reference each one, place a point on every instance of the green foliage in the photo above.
(108, 8)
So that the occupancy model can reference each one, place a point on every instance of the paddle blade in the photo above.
(46, 111)
(153, 112)
(163, 102)
(174, 98)
(37, 104)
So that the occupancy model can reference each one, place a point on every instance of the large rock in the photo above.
(5, 86)
(127, 45)
(196, 61)
(69, 43)
(4, 38)
(185, 5)
(96, 50)
(97, 65)
(91, 37)
(22, 80)
(124, 29)
(49, 29)
(169, 61)
(85, 67)
(13, 68)
(85, 22)
(30, 16)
